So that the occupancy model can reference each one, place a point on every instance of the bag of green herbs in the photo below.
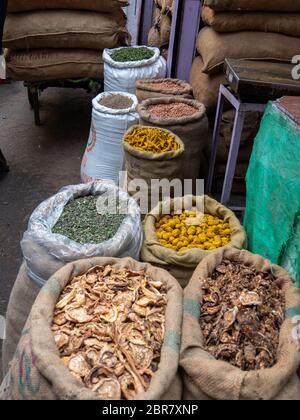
(124, 66)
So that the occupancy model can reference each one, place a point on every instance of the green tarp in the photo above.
(272, 219)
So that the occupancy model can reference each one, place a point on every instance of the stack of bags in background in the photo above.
(58, 39)
(159, 35)
(241, 29)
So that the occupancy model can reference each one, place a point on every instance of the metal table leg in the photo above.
(233, 156)
(215, 142)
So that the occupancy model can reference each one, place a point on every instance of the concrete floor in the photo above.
(41, 159)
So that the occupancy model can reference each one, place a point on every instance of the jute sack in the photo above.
(205, 86)
(255, 5)
(20, 302)
(283, 23)
(147, 166)
(146, 89)
(37, 372)
(182, 264)
(65, 29)
(192, 130)
(52, 64)
(214, 47)
(206, 378)
(93, 5)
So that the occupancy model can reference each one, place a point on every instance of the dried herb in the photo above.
(116, 101)
(81, 222)
(242, 313)
(132, 54)
(109, 327)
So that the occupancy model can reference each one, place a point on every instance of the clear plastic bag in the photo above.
(45, 252)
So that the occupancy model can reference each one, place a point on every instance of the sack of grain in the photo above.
(121, 76)
(20, 302)
(46, 252)
(52, 64)
(182, 264)
(184, 117)
(159, 88)
(65, 29)
(104, 6)
(49, 376)
(143, 164)
(255, 5)
(205, 86)
(282, 23)
(214, 47)
(112, 115)
(154, 36)
(165, 29)
(207, 378)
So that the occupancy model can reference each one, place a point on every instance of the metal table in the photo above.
(241, 109)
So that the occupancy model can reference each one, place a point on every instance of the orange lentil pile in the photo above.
(167, 85)
(173, 110)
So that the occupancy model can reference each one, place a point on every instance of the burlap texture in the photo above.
(93, 5)
(206, 378)
(214, 47)
(182, 264)
(192, 130)
(20, 302)
(65, 29)
(52, 64)
(255, 5)
(146, 89)
(282, 23)
(205, 86)
(47, 378)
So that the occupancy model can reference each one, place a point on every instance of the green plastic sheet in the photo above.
(272, 218)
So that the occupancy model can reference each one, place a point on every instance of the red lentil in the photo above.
(172, 110)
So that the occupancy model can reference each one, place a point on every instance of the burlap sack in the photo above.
(65, 29)
(206, 378)
(215, 47)
(52, 64)
(37, 372)
(205, 86)
(182, 264)
(255, 5)
(147, 166)
(93, 5)
(20, 302)
(282, 23)
(165, 29)
(154, 37)
(192, 130)
(146, 89)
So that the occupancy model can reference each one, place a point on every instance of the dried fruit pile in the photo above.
(242, 313)
(192, 229)
(116, 101)
(109, 326)
(154, 140)
(172, 110)
(132, 54)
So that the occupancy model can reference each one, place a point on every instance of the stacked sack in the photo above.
(241, 29)
(159, 35)
(61, 38)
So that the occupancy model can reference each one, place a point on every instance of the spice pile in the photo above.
(172, 110)
(132, 54)
(116, 101)
(153, 140)
(167, 85)
(109, 327)
(242, 312)
(192, 229)
(81, 222)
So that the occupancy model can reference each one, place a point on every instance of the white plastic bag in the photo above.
(122, 76)
(104, 155)
(45, 252)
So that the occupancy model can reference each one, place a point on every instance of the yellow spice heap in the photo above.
(154, 140)
(192, 229)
